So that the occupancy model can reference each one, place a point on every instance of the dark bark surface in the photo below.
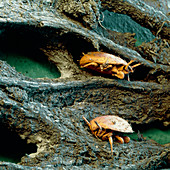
(145, 15)
(48, 112)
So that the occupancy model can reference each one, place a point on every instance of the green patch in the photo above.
(158, 135)
(34, 66)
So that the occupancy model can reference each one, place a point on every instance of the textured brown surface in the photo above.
(48, 113)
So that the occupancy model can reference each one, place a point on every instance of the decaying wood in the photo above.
(147, 16)
(48, 112)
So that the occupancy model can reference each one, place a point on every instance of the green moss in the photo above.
(158, 135)
(34, 66)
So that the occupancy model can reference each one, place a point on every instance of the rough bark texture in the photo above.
(142, 13)
(49, 113)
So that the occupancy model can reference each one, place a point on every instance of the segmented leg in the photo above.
(128, 64)
(136, 65)
(128, 77)
(119, 74)
(111, 143)
(114, 69)
(98, 125)
(95, 133)
(88, 123)
(98, 133)
(108, 67)
(126, 139)
(120, 139)
(120, 68)
(90, 64)
(101, 133)
(101, 67)
(109, 136)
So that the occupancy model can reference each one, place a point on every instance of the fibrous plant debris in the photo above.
(48, 112)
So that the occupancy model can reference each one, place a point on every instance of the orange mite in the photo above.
(105, 127)
(107, 64)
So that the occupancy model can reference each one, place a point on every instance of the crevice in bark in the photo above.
(48, 112)
(12, 146)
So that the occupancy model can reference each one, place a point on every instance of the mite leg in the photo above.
(108, 67)
(114, 69)
(136, 65)
(119, 74)
(121, 68)
(128, 64)
(109, 136)
(90, 64)
(101, 68)
(128, 77)
(111, 143)
(99, 131)
(120, 139)
(88, 123)
(126, 139)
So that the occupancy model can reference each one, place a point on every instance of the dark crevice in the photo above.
(76, 46)
(23, 44)
(13, 148)
(143, 127)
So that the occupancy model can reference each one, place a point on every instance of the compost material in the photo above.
(48, 112)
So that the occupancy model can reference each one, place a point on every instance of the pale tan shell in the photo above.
(113, 123)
